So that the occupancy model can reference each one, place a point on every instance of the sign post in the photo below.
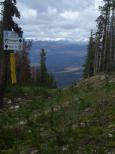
(12, 41)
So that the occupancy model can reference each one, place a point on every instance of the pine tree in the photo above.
(104, 48)
(89, 66)
(45, 79)
(9, 11)
(23, 65)
(43, 70)
(108, 31)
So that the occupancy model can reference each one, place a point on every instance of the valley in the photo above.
(64, 59)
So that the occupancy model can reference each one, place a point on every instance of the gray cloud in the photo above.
(54, 20)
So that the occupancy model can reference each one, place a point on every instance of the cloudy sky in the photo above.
(58, 19)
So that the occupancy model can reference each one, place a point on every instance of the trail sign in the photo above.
(12, 41)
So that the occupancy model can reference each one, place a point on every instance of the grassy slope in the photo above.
(76, 120)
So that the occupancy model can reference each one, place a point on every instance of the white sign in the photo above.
(12, 41)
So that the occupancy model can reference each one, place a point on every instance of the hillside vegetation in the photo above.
(76, 120)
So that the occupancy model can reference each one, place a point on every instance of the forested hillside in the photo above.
(101, 48)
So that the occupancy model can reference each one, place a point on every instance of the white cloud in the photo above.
(54, 20)
(52, 11)
(28, 14)
(70, 14)
(31, 14)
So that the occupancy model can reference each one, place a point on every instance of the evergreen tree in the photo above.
(45, 79)
(23, 65)
(89, 66)
(104, 48)
(43, 74)
(9, 11)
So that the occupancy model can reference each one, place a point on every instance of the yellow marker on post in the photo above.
(13, 67)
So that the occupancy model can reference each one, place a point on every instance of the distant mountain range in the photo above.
(64, 59)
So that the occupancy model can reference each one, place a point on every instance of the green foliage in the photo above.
(9, 11)
(89, 66)
(101, 48)
(23, 68)
(44, 78)
(79, 119)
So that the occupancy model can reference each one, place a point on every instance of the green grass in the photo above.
(75, 120)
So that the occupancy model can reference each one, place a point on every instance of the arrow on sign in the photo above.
(6, 46)
(6, 40)
(20, 40)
